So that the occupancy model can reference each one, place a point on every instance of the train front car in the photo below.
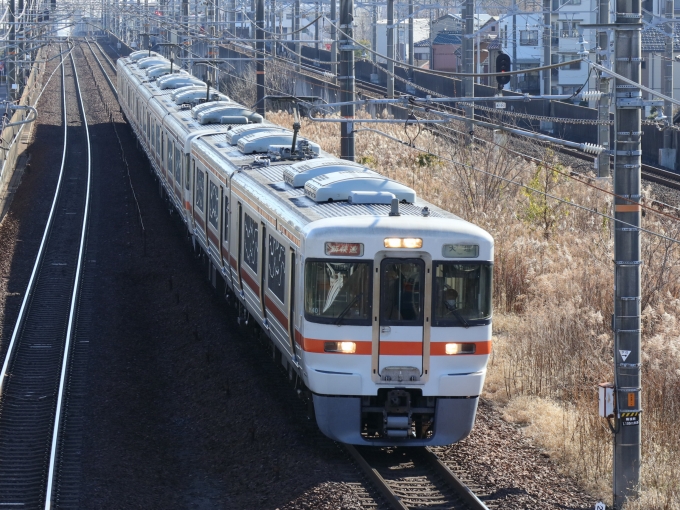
(397, 326)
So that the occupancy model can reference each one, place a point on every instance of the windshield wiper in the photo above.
(455, 312)
(346, 309)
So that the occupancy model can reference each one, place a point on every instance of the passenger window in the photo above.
(225, 220)
(178, 167)
(190, 171)
(200, 189)
(213, 204)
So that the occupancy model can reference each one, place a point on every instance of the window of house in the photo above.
(576, 66)
(528, 38)
(569, 29)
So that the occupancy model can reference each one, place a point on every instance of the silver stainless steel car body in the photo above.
(378, 301)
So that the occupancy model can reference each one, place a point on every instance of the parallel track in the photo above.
(414, 478)
(649, 173)
(36, 367)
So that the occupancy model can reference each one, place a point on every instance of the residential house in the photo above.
(421, 30)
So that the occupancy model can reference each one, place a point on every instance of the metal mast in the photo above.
(667, 158)
(346, 78)
(259, 56)
(603, 130)
(627, 326)
(390, 48)
(468, 56)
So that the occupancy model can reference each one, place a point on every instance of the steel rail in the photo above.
(106, 75)
(43, 242)
(450, 480)
(74, 299)
(108, 59)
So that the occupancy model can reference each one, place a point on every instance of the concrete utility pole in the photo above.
(346, 79)
(667, 154)
(390, 48)
(232, 17)
(468, 60)
(334, 38)
(627, 324)
(603, 131)
(259, 55)
(296, 33)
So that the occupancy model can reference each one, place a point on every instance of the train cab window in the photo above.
(338, 292)
(200, 189)
(401, 297)
(462, 294)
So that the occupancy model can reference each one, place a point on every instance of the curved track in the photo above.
(35, 369)
(414, 478)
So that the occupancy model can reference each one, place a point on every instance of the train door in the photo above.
(291, 302)
(402, 318)
(263, 271)
(188, 179)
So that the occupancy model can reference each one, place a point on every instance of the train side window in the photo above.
(225, 220)
(170, 167)
(178, 167)
(200, 189)
(158, 140)
(250, 246)
(190, 171)
(276, 268)
(213, 204)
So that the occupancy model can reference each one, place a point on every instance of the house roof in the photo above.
(425, 43)
(654, 40)
(447, 38)
(495, 44)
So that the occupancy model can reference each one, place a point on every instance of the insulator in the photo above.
(591, 148)
(591, 94)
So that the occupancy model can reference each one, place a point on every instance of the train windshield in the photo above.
(462, 293)
(338, 292)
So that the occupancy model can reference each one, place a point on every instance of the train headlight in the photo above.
(459, 348)
(341, 347)
(408, 242)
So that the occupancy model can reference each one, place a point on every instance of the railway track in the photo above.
(414, 478)
(36, 369)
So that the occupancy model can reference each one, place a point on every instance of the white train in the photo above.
(378, 301)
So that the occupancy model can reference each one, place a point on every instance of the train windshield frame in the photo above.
(462, 293)
(338, 291)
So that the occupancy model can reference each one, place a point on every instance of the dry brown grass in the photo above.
(553, 301)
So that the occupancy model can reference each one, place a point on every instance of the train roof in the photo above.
(266, 184)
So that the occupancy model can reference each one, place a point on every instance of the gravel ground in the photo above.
(184, 408)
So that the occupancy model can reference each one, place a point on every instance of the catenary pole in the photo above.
(410, 38)
(346, 79)
(468, 56)
(668, 79)
(374, 32)
(334, 38)
(603, 85)
(627, 186)
(547, 47)
(296, 35)
(390, 48)
(259, 45)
